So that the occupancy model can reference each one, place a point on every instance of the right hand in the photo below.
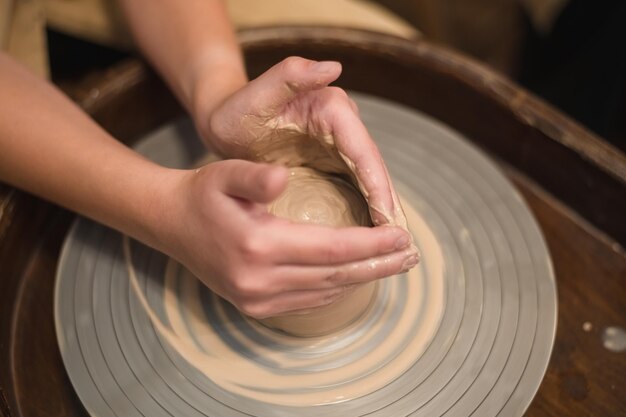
(294, 96)
(266, 266)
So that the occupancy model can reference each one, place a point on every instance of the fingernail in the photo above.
(325, 67)
(403, 242)
(410, 262)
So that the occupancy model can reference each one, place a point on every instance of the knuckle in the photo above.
(336, 100)
(336, 252)
(333, 296)
(291, 65)
(263, 182)
(253, 309)
(349, 288)
(254, 247)
(245, 286)
(338, 277)
(337, 93)
(236, 283)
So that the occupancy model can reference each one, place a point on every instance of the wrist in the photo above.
(215, 76)
(213, 83)
(156, 212)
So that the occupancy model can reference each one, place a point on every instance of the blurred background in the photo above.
(570, 52)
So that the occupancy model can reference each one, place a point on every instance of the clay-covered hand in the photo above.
(293, 97)
(264, 265)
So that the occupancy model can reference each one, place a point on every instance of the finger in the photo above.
(398, 215)
(251, 181)
(298, 309)
(335, 114)
(307, 244)
(354, 106)
(299, 277)
(292, 76)
(358, 149)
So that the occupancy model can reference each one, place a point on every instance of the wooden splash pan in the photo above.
(523, 133)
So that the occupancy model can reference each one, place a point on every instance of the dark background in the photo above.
(579, 66)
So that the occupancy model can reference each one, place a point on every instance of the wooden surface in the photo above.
(578, 210)
(583, 378)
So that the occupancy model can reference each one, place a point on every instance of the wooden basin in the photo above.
(574, 183)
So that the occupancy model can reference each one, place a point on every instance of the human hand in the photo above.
(220, 230)
(294, 97)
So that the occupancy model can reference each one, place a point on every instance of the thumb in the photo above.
(292, 76)
(260, 183)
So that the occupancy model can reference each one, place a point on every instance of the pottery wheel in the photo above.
(467, 332)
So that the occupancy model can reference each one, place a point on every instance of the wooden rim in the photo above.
(522, 131)
(503, 118)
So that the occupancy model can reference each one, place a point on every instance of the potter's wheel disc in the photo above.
(485, 356)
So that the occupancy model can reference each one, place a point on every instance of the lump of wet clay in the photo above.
(325, 199)
(315, 197)
(322, 189)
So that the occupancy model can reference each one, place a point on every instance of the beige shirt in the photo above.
(22, 33)
(23, 22)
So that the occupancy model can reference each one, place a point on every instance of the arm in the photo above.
(212, 220)
(193, 45)
(46, 140)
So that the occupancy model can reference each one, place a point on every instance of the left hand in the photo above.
(294, 95)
